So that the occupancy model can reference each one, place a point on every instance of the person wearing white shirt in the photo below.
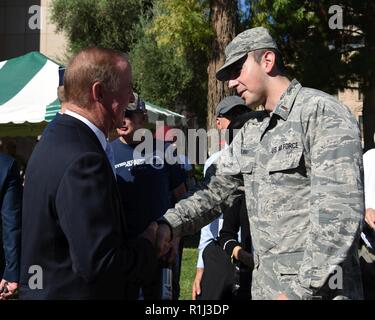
(369, 171)
(367, 249)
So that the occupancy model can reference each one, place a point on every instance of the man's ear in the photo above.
(269, 59)
(97, 92)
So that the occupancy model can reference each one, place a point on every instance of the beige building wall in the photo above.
(353, 99)
(52, 44)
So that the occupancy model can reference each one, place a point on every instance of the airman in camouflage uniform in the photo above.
(302, 173)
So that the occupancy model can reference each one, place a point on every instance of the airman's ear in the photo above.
(269, 59)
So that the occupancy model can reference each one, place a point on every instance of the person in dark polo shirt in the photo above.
(146, 183)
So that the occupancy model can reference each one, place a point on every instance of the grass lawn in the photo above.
(188, 267)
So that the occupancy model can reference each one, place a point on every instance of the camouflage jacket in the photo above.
(302, 173)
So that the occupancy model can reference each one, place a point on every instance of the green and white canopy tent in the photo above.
(28, 96)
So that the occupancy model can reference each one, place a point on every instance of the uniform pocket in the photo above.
(287, 169)
(285, 162)
(288, 264)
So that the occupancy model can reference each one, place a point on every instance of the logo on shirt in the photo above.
(289, 147)
(154, 161)
(130, 163)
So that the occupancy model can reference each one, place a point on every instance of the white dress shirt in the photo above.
(369, 171)
(99, 134)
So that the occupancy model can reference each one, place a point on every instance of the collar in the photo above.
(99, 134)
(286, 101)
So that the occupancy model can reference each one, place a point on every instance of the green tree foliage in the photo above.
(159, 73)
(182, 24)
(170, 55)
(106, 23)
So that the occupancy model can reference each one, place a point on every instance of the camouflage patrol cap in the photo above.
(138, 104)
(247, 41)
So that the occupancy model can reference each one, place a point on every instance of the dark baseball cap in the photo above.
(245, 42)
(228, 103)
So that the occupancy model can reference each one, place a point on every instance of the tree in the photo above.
(170, 55)
(198, 31)
(106, 23)
(323, 57)
(223, 20)
(160, 75)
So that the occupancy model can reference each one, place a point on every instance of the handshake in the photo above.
(159, 234)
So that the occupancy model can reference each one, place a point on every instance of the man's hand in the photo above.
(163, 240)
(7, 289)
(171, 256)
(150, 233)
(370, 217)
(242, 255)
(235, 251)
(196, 290)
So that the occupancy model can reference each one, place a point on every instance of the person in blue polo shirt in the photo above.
(146, 183)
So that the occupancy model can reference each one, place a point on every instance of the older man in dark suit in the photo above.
(74, 239)
(10, 225)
